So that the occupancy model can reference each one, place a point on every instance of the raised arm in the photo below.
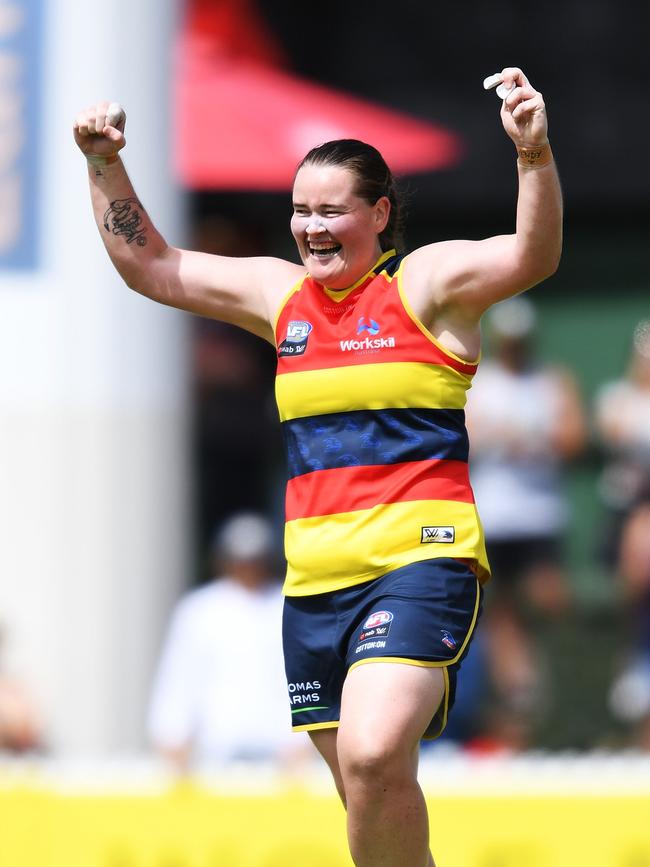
(459, 280)
(244, 292)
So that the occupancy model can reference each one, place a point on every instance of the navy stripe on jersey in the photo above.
(391, 265)
(374, 437)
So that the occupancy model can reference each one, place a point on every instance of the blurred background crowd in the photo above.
(559, 415)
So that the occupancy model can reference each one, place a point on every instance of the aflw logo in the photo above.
(438, 534)
(367, 343)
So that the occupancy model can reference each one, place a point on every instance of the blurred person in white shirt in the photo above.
(526, 421)
(219, 694)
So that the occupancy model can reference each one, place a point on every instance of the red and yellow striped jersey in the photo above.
(372, 411)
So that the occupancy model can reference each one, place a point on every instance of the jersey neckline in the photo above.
(338, 295)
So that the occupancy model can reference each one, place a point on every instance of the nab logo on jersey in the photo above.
(438, 534)
(295, 343)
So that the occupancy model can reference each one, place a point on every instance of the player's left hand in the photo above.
(523, 112)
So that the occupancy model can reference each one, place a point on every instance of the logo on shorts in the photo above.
(306, 692)
(295, 343)
(438, 534)
(379, 618)
(371, 645)
(448, 639)
(376, 626)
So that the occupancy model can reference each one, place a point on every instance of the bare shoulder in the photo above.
(279, 277)
(435, 272)
(469, 275)
(441, 267)
(421, 265)
(427, 276)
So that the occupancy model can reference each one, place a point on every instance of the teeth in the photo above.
(324, 248)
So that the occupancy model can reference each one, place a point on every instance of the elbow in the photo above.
(551, 267)
(554, 259)
(136, 279)
(145, 286)
(144, 277)
(544, 267)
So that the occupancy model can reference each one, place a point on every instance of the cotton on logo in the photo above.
(378, 619)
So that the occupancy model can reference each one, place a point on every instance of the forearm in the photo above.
(131, 239)
(539, 220)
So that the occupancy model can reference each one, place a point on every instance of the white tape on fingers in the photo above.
(115, 114)
(496, 80)
(492, 81)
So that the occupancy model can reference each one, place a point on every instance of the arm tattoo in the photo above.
(124, 218)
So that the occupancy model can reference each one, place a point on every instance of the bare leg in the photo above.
(325, 742)
(385, 709)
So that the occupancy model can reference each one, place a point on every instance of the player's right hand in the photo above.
(99, 130)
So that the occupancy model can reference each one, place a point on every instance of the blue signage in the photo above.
(20, 112)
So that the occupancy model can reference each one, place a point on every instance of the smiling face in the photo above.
(337, 232)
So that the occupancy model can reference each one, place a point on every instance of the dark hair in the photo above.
(374, 180)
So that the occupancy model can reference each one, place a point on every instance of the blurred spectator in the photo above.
(630, 694)
(623, 423)
(525, 420)
(623, 419)
(20, 729)
(220, 693)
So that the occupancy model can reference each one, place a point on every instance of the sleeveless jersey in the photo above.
(372, 412)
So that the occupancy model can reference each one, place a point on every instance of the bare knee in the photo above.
(375, 761)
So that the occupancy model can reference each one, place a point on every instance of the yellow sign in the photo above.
(193, 827)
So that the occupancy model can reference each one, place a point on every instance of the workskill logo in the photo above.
(372, 328)
(370, 343)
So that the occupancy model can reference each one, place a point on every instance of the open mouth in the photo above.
(322, 251)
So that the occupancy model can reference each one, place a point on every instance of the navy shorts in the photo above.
(421, 614)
